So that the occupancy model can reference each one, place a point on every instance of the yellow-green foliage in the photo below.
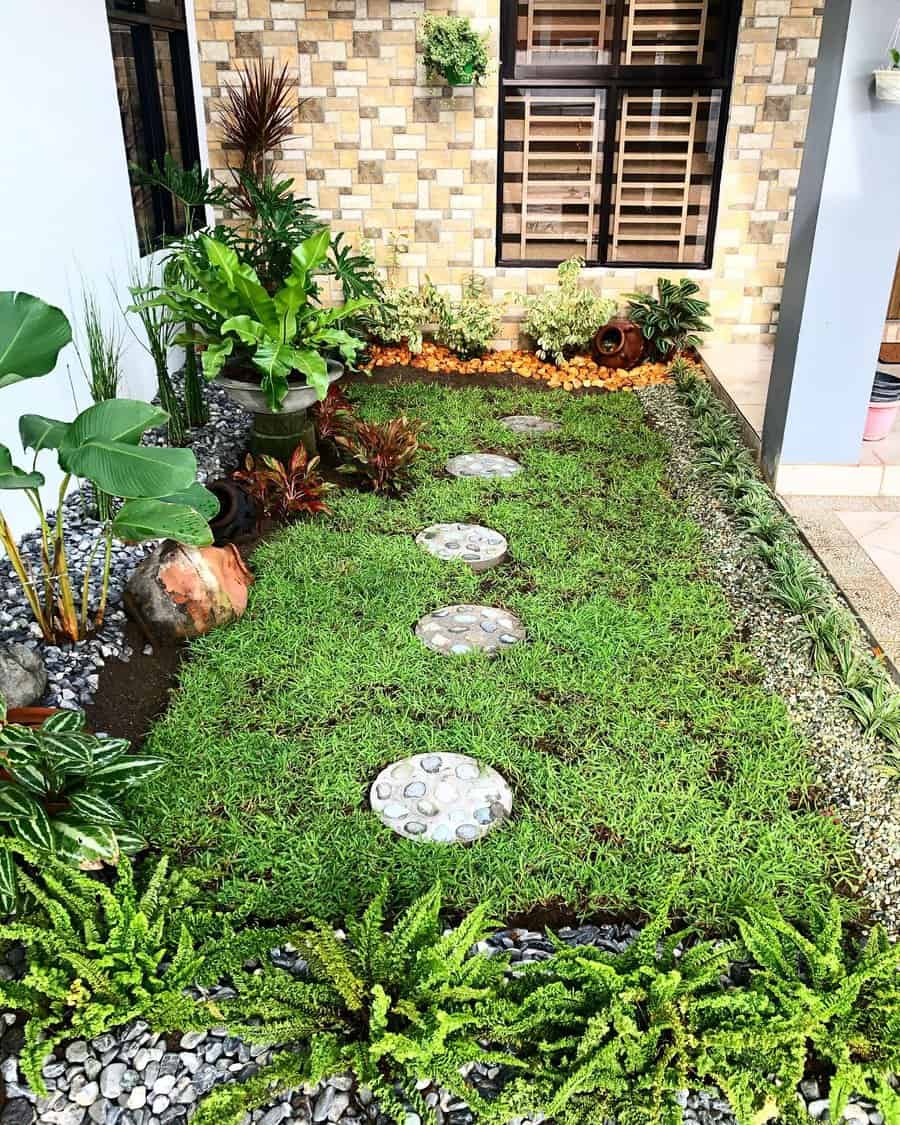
(564, 318)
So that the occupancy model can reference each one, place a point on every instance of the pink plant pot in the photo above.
(880, 420)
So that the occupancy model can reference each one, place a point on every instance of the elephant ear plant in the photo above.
(273, 335)
(58, 788)
(102, 445)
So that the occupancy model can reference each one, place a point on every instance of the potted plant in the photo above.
(102, 445)
(272, 352)
(454, 50)
(887, 79)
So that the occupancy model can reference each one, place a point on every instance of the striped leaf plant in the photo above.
(59, 787)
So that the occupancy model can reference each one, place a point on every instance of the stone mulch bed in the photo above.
(578, 373)
(864, 798)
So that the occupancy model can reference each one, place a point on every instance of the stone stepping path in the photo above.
(479, 547)
(459, 629)
(441, 798)
(486, 465)
(530, 424)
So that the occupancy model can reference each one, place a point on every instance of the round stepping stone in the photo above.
(487, 465)
(460, 629)
(440, 798)
(530, 424)
(478, 547)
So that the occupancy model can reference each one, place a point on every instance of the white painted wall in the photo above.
(65, 202)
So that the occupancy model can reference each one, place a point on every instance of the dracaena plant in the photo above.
(103, 446)
(282, 490)
(381, 452)
(273, 335)
(59, 786)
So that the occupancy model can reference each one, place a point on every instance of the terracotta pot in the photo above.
(180, 592)
(238, 514)
(29, 716)
(619, 344)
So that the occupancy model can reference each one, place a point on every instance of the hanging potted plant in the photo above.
(887, 79)
(453, 50)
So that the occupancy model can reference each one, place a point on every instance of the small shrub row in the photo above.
(561, 321)
(582, 1036)
(867, 691)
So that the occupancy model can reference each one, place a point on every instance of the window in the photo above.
(156, 102)
(612, 129)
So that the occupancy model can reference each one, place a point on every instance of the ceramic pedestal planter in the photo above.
(278, 435)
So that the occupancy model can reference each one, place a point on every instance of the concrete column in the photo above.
(843, 248)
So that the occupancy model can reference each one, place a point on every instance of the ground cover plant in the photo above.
(631, 727)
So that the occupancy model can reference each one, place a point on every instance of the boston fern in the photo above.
(58, 788)
(102, 957)
(393, 1006)
(674, 320)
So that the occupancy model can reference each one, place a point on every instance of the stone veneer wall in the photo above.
(380, 151)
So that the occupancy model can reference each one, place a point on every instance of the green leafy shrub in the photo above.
(391, 1006)
(467, 326)
(453, 49)
(102, 956)
(672, 321)
(399, 319)
(58, 788)
(565, 318)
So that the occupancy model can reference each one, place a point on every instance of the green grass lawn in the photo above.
(640, 748)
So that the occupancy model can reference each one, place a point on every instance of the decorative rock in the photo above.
(461, 629)
(111, 1080)
(485, 465)
(23, 677)
(181, 592)
(466, 799)
(479, 547)
(87, 1095)
(530, 424)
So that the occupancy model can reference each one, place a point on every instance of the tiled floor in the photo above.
(743, 371)
(858, 541)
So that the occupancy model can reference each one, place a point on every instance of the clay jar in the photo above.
(619, 344)
(181, 592)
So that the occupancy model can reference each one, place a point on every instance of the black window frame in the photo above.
(133, 14)
(615, 78)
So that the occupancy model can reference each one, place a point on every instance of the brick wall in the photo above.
(379, 150)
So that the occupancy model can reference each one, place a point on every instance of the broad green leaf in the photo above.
(8, 895)
(140, 520)
(309, 255)
(94, 809)
(83, 842)
(22, 767)
(221, 257)
(15, 804)
(134, 472)
(32, 334)
(312, 364)
(129, 841)
(255, 297)
(214, 355)
(122, 420)
(69, 751)
(109, 750)
(64, 721)
(14, 478)
(249, 330)
(197, 497)
(38, 432)
(34, 830)
(131, 770)
(276, 364)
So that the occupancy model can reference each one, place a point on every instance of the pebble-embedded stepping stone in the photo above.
(530, 424)
(486, 465)
(441, 798)
(457, 630)
(478, 547)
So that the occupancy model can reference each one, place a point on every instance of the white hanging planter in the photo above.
(887, 80)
